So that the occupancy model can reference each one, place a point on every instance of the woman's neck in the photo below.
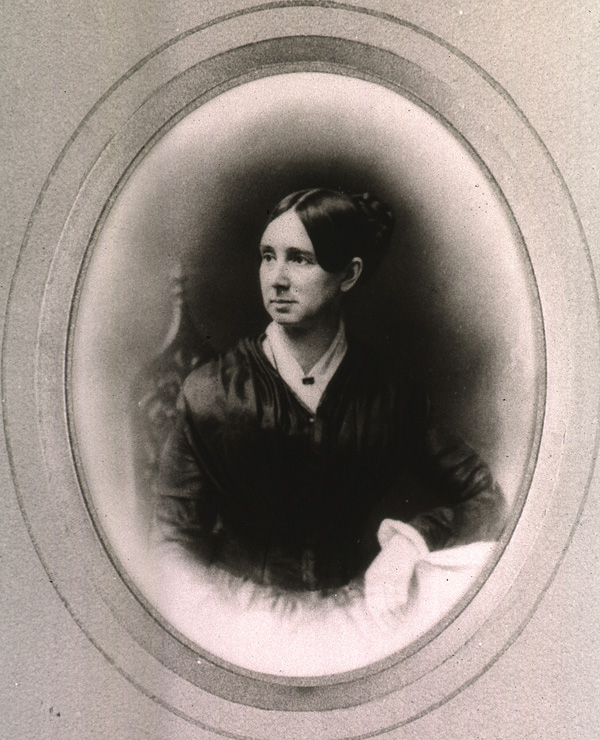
(309, 344)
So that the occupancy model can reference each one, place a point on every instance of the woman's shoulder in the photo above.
(226, 374)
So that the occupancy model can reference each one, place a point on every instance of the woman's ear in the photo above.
(351, 274)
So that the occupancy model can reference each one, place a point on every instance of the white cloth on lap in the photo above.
(391, 577)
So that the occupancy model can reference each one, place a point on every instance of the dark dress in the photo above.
(252, 481)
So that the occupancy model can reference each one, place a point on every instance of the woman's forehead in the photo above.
(287, 231)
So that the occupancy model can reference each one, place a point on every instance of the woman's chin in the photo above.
(283, 317)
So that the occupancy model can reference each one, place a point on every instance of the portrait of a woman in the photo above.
(306, 377)
(300, 460)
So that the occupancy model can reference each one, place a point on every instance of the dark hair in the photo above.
(342, 226)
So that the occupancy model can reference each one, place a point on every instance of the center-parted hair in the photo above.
(342, 226)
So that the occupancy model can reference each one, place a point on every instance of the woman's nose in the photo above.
(280, 275)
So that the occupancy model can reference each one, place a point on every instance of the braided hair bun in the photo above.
(379, 224)
(342, 226)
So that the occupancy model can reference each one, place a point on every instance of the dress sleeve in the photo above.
(472, 506)
(185, 510)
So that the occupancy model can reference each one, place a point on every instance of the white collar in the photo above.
(279, 355)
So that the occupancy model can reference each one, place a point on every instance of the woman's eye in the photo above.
(300, 260)
(267, 257)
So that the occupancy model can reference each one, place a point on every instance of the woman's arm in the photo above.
(472, 506)
(185, 511)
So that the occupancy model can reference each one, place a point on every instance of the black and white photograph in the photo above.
(300, 371)
(315, 403)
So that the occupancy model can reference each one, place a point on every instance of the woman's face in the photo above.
(296, 290)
